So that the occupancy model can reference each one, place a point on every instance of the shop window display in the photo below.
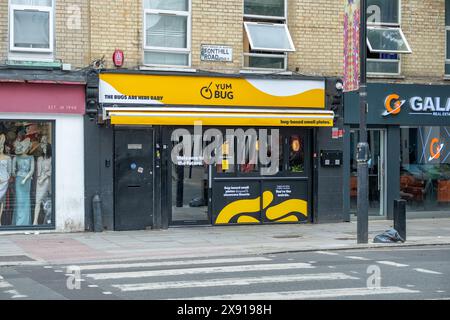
(26, 163)
(425, 168)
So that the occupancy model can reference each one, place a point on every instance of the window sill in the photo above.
(174, 69)
(271, 71)
(31, 64)
(385, 76)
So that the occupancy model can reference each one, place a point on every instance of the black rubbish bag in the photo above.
(197, 202)
(389, 236)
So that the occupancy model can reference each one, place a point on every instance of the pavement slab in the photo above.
(209, 241)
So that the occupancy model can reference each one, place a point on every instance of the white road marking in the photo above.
(354, 272)
(4, 284)
(169, 263)
(232, 281)
(426, 271)
(309, 294)
(440, 291)
(48, 267)
(58, 271)
(357, 258)
(203, 270)
(332, 267)
(93, 286)
(393, 264)
(410, 285)
(107, 292)
(15, 294)
(329, 253)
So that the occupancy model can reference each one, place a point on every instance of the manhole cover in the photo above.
(288, 236)
(15, 258)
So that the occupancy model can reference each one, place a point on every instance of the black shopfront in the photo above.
(409, 138)
(144, 184)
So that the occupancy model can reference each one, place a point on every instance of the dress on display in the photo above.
(22, 215)
(5, 174)
(44, 172)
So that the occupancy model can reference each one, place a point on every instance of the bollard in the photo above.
(400, 217)
(97, 212)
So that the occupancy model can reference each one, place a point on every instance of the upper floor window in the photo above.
(265, 9)
(447, 37)
(31, 26)
(167, 32)
(266, 39)
(385, 38)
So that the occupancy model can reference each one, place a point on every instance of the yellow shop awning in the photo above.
(220, 117)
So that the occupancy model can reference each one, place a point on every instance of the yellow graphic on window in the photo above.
(282, 213)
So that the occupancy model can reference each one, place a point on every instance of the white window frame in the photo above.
(17, 7)
(265, 19)
(256, 16)
(390, 24)
(384, 25)
(388, 51)
(262, 55)
(155, 49)
(277, 25)
(386, 61)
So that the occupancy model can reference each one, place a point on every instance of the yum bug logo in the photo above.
(393, 105)
(221, 91)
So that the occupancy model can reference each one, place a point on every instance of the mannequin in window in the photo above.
(5, 174)
(44, 173)
(23, 169)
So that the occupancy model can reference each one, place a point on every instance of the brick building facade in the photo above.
(279, 40)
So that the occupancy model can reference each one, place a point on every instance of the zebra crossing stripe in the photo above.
(328, 253)
(309, 294)
(202, 270)
(357, 258)
(232, 282)
(393, 264)
(170, 263)
(4, 284)
(426, 271)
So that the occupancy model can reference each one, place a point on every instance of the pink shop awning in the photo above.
(42, 97)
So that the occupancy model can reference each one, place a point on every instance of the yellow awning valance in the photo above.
(221, 117)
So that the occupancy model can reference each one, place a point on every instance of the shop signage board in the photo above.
(42, 98)
(393, 104)
(216, 53)
(139, 89)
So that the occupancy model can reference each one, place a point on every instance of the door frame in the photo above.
(151, 131)
(382, 174)
(167, 167)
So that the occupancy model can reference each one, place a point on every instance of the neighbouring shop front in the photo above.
(41, 155)
(409, 138)
(202, 149)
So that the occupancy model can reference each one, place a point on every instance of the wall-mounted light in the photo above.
(295, 144)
